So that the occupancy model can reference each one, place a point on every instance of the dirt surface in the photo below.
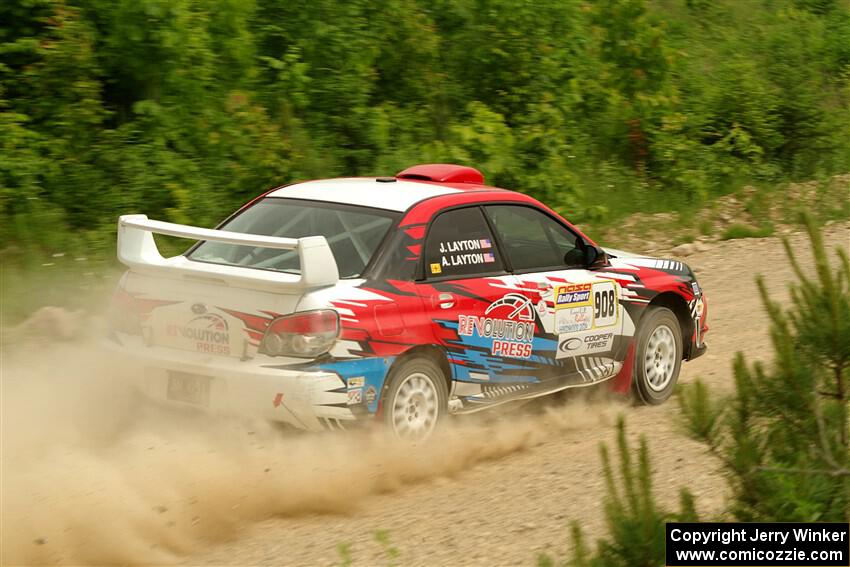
(748, 212)
(91, 475)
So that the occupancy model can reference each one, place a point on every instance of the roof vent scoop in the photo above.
(442, 173)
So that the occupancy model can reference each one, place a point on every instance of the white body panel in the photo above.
(393, 196)
(217, 298)
(255, 388)
(138, 251)
(202, 324)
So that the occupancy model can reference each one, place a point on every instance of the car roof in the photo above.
(386, 193)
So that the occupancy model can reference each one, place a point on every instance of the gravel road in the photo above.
(90, 475)
(507, 510)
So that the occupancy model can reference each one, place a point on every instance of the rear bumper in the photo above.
(312, 400)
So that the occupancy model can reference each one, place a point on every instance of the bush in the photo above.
(783, 435)
(185, 109)
(738, 230)
(635, 521)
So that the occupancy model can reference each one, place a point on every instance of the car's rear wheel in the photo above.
(416, 399)
(658, 355)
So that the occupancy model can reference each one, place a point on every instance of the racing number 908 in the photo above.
(605, 304)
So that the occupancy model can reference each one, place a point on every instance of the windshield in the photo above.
(353, 234)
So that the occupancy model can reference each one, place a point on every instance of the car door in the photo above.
(580, 310)
(485, 325)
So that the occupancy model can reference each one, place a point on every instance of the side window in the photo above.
(533, 240)
(459, 243)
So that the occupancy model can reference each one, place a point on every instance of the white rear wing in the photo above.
(138, 251)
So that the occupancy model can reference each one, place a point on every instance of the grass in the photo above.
(686, 238)
(344, 551)
(390, 552)
(743, 231)
(70, 282)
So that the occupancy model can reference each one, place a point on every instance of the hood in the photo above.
(614, 253)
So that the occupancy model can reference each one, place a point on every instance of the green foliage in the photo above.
(783, 436)
(391, 552)
(704, 413)
(743, 231)
(184, 109)
(634, 519)
(345, 557)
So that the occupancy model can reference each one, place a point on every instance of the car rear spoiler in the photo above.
(138, 251)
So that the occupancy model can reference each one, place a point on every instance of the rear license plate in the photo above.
(189, 388)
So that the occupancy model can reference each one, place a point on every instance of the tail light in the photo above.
(124, 314)
(307, 334)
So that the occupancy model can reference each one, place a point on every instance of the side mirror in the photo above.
(591, 255)
(587, 255)
(583, 255)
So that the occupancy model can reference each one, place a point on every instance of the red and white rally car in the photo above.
(399, 299)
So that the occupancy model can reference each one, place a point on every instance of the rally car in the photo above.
(399, 300)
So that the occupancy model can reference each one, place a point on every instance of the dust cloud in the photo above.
(94, 474)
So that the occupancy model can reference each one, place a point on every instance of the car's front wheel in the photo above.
(416, 399)
(658, 355)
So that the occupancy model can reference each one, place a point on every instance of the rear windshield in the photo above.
(353, 234)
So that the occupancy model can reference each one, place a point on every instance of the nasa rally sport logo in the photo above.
(572, 295)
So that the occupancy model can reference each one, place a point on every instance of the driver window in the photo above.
(533, 240)
(460, 244)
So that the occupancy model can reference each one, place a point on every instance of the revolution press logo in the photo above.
(508, 321)
(209, 333)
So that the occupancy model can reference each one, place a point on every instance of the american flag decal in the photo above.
(485, 243)
(488, 257)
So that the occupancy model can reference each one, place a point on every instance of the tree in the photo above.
(784, 437)
(635, 521)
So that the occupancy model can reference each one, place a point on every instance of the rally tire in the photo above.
(658, 356)
(415, 399)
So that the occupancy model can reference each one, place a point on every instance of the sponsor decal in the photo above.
(570, 344)
(370, 395)
(695, 287)
(541, 307)
(436, 269)
(699, 312)
(356, 382)
(508, 321)
(278, 400)
(209, 332)
(199, 308)
(606, 304)
(601, 300)
(355, 396)
(572, 295)
(573, 319)
(585, 343)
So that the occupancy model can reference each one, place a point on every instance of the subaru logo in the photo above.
(199, 308)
